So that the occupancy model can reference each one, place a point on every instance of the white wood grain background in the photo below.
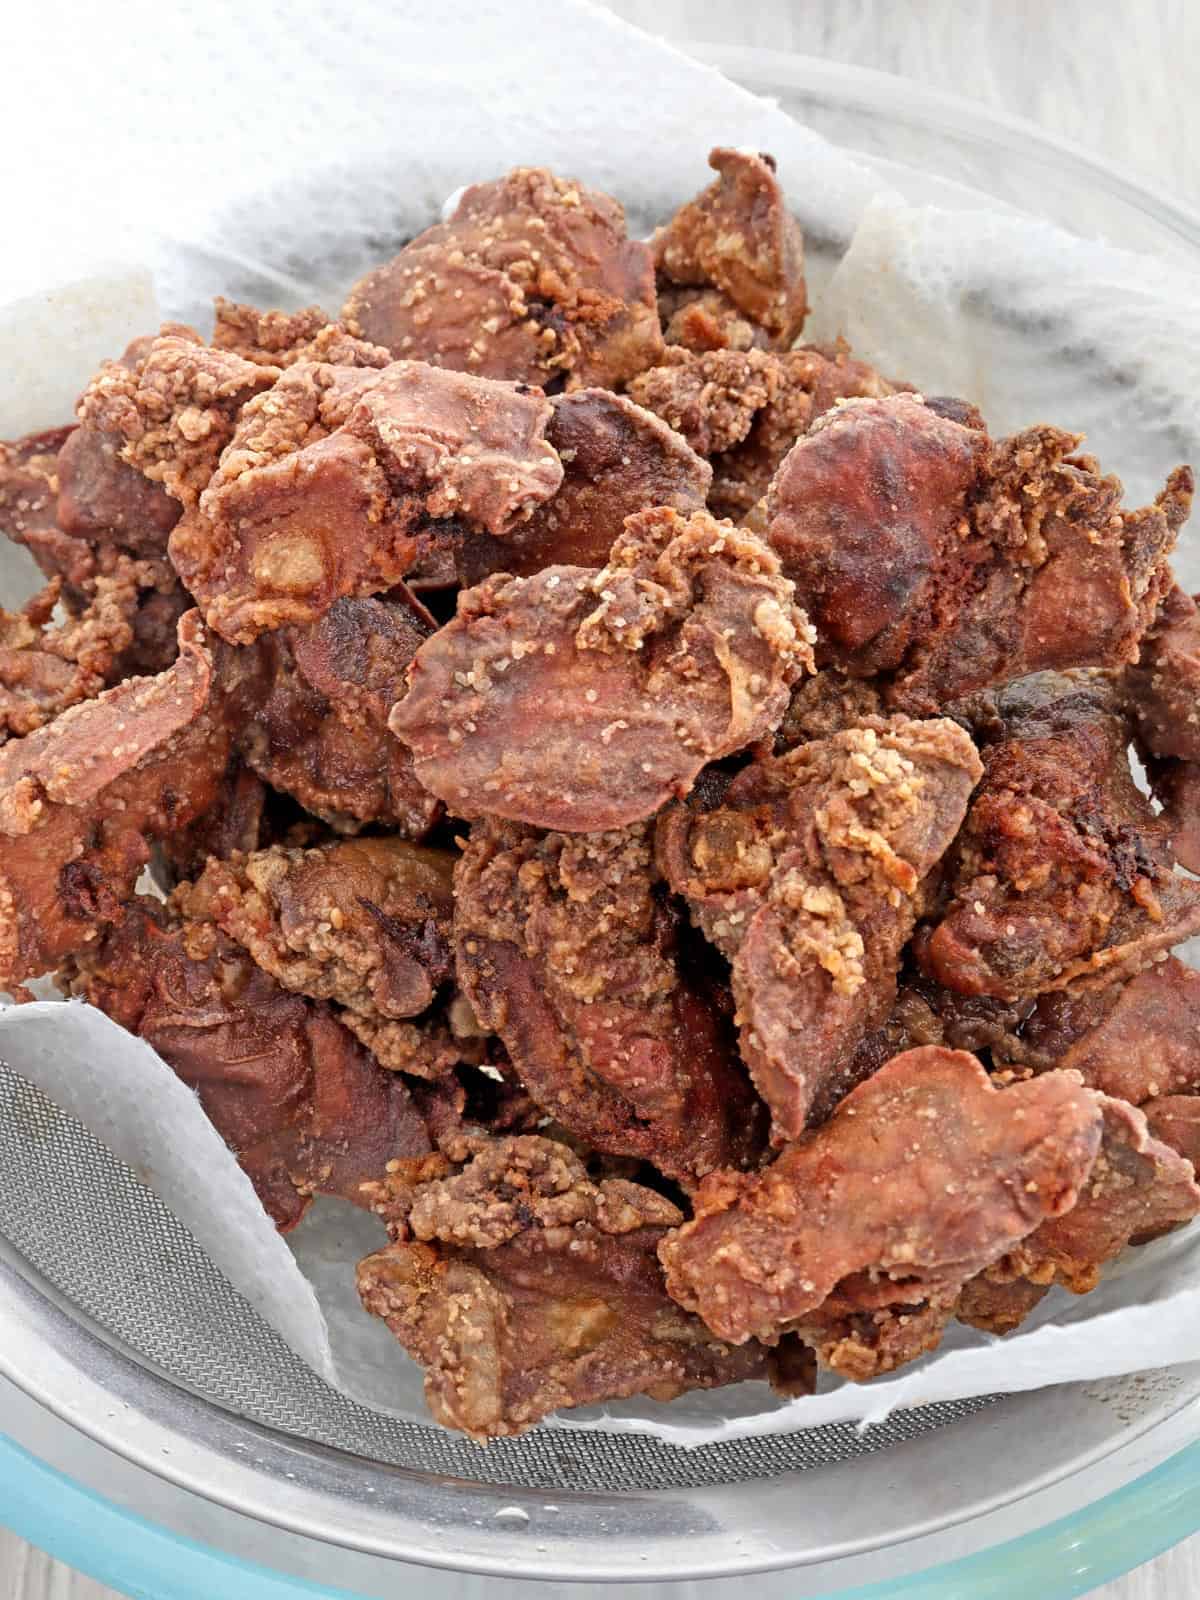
(1121, 77)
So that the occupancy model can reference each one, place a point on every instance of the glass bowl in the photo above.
(155, 1490)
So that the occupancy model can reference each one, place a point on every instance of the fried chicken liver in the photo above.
(581, 699)
(566, 951)
(947, 561)
(533, 279)
(923, 1176)
(297, 1098)
(1063, 870)
(809, 877)
(335, 476)
(521, 1287)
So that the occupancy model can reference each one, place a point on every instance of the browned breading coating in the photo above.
(565, 950)
(711, 399)
(362, 922)
(924, 1175)
(532, 279)
(282, 338)
(314, 704)
(861, 1340)
(617, 459)
(29, 482)
(925, 551)
(812, 380)
(583, 700)
(82, 797)
(1138, 1189)
(334, 476)
(521, 1287)
(1164, 684)
(1163, 691)
(1063, 871)
(172, 412)
(706, 319)
(745, 409)
(105, 583)
(297, 1099)
(809, 878)
(47, 666)
(738, 238)
(1176, 786)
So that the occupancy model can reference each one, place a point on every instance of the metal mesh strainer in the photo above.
(89, 1227)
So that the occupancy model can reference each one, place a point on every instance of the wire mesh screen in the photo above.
(83, 1221)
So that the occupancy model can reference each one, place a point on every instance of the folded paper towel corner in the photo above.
(278, 204)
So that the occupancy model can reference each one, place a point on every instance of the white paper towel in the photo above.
(183, 152)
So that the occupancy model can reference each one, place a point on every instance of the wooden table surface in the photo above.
(1117, 76)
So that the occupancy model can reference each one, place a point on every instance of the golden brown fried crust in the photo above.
(1138, 1189)
(1163, 686)
(173, 411)
(313, 707)
(583, 700)
(82, 798)
(565, 950)
(282, 338)
(298, 1100)
(808, 877)
(617, 459)
(533, 279)
(29, 482)
(521, 1287)
(929, 553)
(362, 922)
(711, 399)
(46, 667)
(1063, 871)
(745, 409)
(923, 1176)
(738, 238)
(333, 477)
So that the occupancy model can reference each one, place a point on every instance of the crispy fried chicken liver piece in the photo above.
(1138, 1188)
(29, 482)
(334, 476)
(809, 878)
(583, 700)
(82, 797)
(746, 409)
(46, 667)
(170, 413)
(1164, 684)
(925, 551)
(314, 706)
(565, 950)
(1136, 1041)
(617, 459)
(738, 238)
(363, 922)
(1164, 696)
(1063, 870)
(924, 1175)
(521, 1287)
(532, 279)
(295, 1096)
